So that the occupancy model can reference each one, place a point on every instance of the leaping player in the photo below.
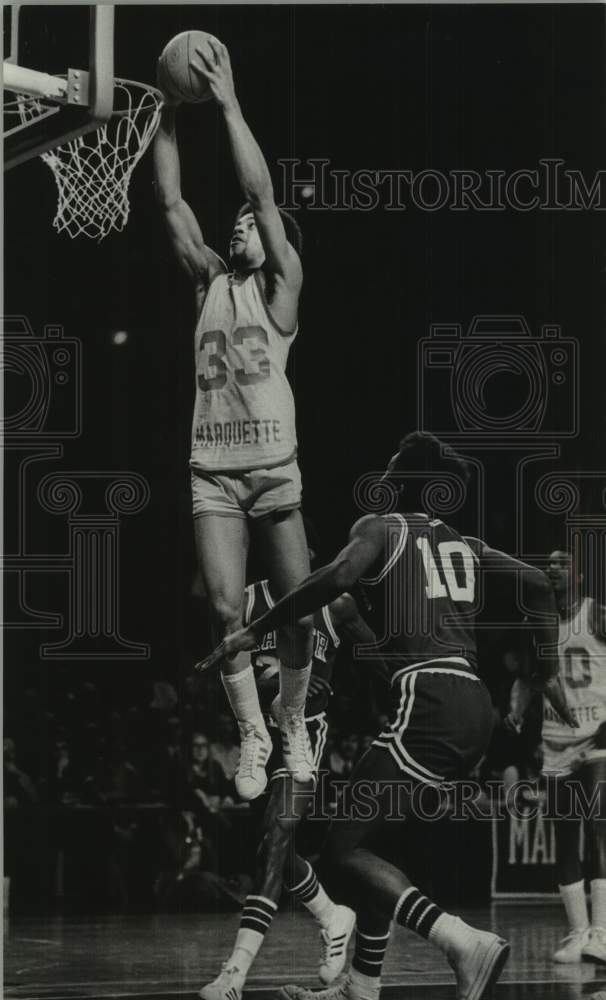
(575, 760)
(244, 448)
(287, 803)
(423, 577)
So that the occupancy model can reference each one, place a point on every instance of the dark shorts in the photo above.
(317, 728)
(441, 728)
(442, 724)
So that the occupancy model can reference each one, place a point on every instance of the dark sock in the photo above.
(369, 953)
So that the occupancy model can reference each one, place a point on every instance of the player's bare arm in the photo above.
(366, 545)
(520, 698)
(599, 621)
(200, 263)
(351, 626)
(282, 267)
(348, 620)
(540, 603)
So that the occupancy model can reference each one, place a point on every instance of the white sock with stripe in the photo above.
(257, 915)
(313, 896)
(293, 688)
(575, 904)
(243, 697)
(598, 902)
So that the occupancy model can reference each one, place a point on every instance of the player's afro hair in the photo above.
(291, 227)
(421, 451)
(423, 456)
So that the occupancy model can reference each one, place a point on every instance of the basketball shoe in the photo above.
(572, 947)
(255, 748)
(595, 949)
(346, 989)
(296, 748)
(335, 938)
(227, 986)
(477, 960)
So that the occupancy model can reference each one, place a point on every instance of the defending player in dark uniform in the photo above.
(286, 803)
(424, 576)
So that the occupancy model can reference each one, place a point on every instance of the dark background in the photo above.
(366, 87)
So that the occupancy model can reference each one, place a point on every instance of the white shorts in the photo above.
(246, 494)
(559, 761)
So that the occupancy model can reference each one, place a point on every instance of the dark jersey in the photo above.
(423, 597)
(257, 601)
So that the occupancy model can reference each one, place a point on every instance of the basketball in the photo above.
(176, 77)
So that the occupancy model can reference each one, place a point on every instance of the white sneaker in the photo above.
(298, 755)
(343, 990)
(478, 964)
(572, 946)
(335, 939)
(227, 986)
(595, 948)
(255, 748)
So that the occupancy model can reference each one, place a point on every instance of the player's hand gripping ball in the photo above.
(177, 75)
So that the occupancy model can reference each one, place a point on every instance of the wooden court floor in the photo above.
(159, 956)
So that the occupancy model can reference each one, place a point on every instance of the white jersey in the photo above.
(582, 657)
(244, 412)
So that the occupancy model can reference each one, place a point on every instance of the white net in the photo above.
(21, 110)
(93, 172)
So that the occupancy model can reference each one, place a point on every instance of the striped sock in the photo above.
(416, 911)
(370, 953)
(314, 898)
(257, 914)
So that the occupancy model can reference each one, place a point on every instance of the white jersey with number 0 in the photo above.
(582, 657)
(244, 412)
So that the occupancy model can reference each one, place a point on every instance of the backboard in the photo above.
(62, 56)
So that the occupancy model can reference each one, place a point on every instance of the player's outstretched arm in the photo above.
(366, 545)
(282, 261)
(199, 261)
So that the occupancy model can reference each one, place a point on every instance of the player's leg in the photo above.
(378, 890)
(222, 548)
(283, 812)
(282, 541)
(593, 778)
(336, 921)
(571, 884)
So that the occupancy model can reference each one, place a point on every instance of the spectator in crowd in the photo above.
(168, 765)
(342, 759)
(19, 789)
(64, 778)
(225, 749)
(206, 780)
(19, 833)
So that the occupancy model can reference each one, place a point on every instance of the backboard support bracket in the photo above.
(86, 98)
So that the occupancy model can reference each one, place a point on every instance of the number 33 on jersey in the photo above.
(244, 414)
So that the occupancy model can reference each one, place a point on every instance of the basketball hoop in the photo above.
(93, 172)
